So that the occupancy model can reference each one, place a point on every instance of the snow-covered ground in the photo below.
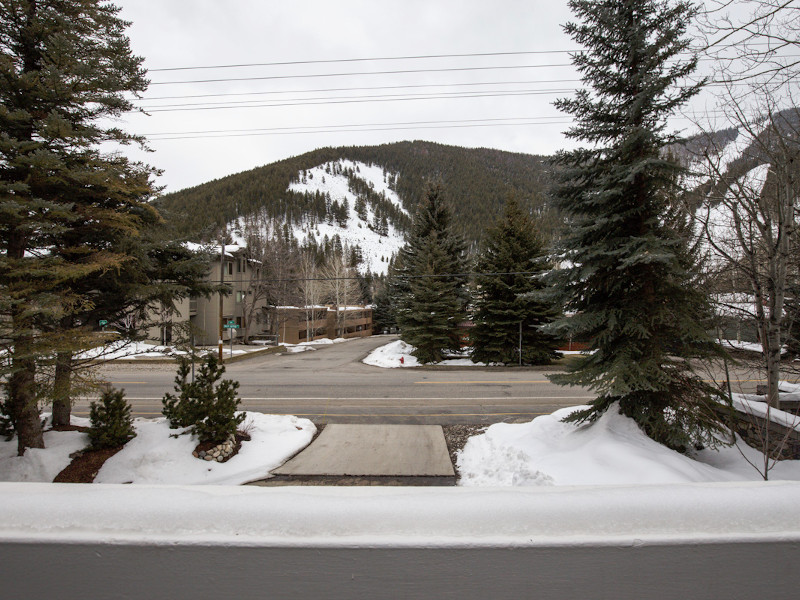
(306, 346)
(125, 350)
(388, 357)
(156, 456)
(613, 450)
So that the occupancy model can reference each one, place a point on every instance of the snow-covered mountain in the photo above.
(358, 214)
(362, 196)
(363, 225)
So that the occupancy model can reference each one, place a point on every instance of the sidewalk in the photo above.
(370, 455)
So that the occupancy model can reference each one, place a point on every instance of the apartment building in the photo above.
(284, 324)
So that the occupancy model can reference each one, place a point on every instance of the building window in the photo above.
(239, 297)
(230, 268)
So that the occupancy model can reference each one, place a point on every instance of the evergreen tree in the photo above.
(630, 280)
(111, 421)
(432, 301)
(208, 408)
(67, 72)
(154, 274)
(510, 268)
(383, 314)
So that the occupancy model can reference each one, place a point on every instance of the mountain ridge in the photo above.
(476, 180)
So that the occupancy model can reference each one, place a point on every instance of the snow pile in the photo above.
(41, 464)
(126, 349)
(158, 456)
(377, 249)
(388, 357)
(753, 404)
(306, 346)
(613, 450)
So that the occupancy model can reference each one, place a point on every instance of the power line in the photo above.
(350, 100)
(360, 88)
(333, 127)
(362, 73)
(352, 60)
(377, 97)
(443, 126)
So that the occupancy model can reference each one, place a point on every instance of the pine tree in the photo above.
(431, 301)
(111, 421)
(630, 283)
(154, 273)
(67, 72)
(205, 406)
(510, 267)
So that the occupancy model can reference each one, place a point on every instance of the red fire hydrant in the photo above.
(402, 360)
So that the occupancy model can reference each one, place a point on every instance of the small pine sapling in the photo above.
(182, 410)
(209, 411)
(111, 421)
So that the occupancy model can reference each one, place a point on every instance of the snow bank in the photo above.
(388, 357)
(154, 456)
(40, 465)
(306, 346)
(158, 456)
(547, 452)
(127, 349)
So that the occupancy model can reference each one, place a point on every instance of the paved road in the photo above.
(331, 385)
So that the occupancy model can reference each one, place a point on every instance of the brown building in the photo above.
(293, 324)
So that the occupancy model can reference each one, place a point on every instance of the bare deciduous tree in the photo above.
(750, 218)
(311, 292)
(273, 265)
(341, 288)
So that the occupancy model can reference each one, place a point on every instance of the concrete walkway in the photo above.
(373, 451)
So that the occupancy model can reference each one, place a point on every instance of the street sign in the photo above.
(230, 325)
(103, 322)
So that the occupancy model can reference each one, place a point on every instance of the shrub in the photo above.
(209, 411)
(111, 421)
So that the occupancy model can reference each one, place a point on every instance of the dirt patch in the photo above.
(69, 428)
(85, 465)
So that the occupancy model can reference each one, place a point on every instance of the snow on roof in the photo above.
(215, 249)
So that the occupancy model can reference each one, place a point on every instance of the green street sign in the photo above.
(230, 325)
(103, 322)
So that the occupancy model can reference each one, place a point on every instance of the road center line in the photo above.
(468, 382)
(328, 399)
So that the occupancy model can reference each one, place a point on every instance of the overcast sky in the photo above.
(205, 130)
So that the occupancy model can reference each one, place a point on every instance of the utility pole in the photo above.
(221, 283)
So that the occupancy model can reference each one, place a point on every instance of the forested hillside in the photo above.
(477, 182)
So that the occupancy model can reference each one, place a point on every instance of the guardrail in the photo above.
(735, 540)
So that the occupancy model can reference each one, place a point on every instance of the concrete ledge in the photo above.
(736, 540)
(415, 517)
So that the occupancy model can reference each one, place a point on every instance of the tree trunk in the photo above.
(23, 404)
(62, 389)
